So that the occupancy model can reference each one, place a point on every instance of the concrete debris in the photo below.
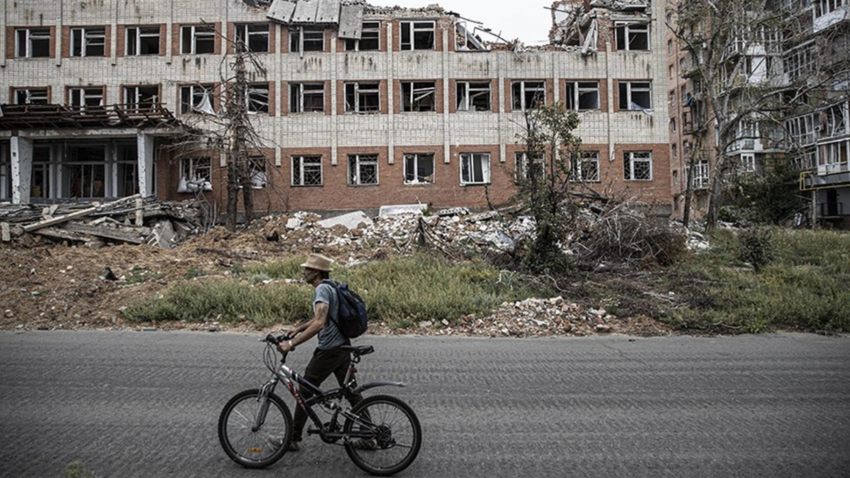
(351, 220)
(528, 318)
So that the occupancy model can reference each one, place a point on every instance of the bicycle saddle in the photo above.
(359, 350)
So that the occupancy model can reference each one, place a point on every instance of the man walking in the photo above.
(328, 357)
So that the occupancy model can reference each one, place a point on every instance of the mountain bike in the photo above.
(381, 434)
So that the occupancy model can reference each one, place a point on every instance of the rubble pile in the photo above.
(528, 318)
(130, 220)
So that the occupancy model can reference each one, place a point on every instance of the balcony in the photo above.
(830, 210)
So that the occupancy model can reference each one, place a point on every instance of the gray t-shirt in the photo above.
(330, 336)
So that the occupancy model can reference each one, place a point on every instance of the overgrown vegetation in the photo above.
(77, 469)
(399, 292)
(750, 280)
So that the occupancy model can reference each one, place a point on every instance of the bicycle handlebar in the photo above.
(276, 340)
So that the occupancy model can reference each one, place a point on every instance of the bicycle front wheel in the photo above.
(391, 435)
(252, 440)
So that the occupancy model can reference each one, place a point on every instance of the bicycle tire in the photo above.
(254, 449)
(398, 431)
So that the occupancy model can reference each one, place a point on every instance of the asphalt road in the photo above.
(145, 404)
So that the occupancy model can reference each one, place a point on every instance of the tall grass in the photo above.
(399, 292)
(805, 286)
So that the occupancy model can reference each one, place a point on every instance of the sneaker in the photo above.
(277, 442)
(366, 444)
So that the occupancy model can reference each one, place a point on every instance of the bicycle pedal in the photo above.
(313, 431)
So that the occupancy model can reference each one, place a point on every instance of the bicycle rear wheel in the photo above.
(255, 448)
(394, 435)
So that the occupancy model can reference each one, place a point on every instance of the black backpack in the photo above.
(351, 317)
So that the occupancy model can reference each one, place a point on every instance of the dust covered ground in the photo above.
(47, 286)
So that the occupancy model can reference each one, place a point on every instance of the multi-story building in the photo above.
(360, 106)
(802, 58)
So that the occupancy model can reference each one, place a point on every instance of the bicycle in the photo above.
(381, 434)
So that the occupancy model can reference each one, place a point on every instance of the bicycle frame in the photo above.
(331, 398)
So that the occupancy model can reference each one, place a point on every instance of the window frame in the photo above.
(257, 171)
(243, 32)
(372, 31)
(574, 90)
(78, 97)
(631, 88)
(468, 91)
(522, 161)
(191, 35)
(307, 165)
(84, 39)
(298, 44)
(415, 168)
(134, 40)
(24, 42)
(298, 91)
(190, 167)
(413, 31)
(357, 92)
(29, 93)
(628, 33)
(579, 173)
(139, 96)
(631, 161)
(190, 108)
(409, 101)
(356, 164)
(468, 172)
(257, 98)
(520, 89)
(701, 175)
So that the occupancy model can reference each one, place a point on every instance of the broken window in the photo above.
(473, 96)
(632, 36)
(197, 39)
(417, 35)
(32, 43)
(84, 172)
(528, 167)
(257, 98)
(257, 171)
(362, 97)
(82, 98)
(195, 175)
(141, 41)
(362, 169)
(699, 180)
(637, 166)
(306, 170)
(88, 41)
(799, 62)
(635, 95)
(474, 168)
(528, 95)
(582, 95)
(370, 38)
(584, 166)
(143, 97)
(197, 99)
(418, 96)
(306, 97)
(40, 178)
(127, 167)
(303, 39)
(255, 36)
(31, 96)
(418, 168)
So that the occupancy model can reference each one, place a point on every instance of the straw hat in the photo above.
(318, 262)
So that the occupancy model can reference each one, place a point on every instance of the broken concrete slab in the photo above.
(385, 211)
(351, 220)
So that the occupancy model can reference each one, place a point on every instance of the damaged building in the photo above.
(359, 106)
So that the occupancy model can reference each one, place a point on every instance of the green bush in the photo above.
(77, 469)
(756, 247)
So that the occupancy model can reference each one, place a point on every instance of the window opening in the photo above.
(255, 36)
(197, 39)
(88, 41)
(418, 96)
(632, 36)
(418, 168)
(33, 43)
(362, 169)
(306, 170)
(370, 38)
(306, 97)
(473, 96)
(142, 41)
(362, 97)
(474, 168)
(417, 35)
(635, 95)
(638, 166)
(585, 166)
(582, 95)
(528, 94)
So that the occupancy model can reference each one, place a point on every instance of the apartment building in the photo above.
(361, 106)
(801, 58)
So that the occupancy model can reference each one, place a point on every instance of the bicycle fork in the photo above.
(263, 399)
